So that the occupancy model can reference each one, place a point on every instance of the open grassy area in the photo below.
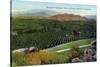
(72, 44)
(50, 56)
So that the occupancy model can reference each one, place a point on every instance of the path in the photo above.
(59, 51)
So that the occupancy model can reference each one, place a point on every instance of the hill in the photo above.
(68, 17)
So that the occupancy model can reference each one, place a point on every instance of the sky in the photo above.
(22, 5)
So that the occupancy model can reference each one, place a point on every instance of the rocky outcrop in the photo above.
(89, 54)
(33, 49)
(20, 50)
(77, 60)
(27, 50)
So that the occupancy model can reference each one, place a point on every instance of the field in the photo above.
(72, 44)
(29, 32)
(48, 57)
(56, 41)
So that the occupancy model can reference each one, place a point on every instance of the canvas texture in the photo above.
(52, 33)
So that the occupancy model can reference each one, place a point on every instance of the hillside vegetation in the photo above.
(49, 41)
(34, 31)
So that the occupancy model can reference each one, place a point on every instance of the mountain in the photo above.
(34, 12)
(52, 14)
(68, 17)
(93, 17)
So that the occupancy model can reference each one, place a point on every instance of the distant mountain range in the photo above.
(34, 12)
(91, 17)
(52, 14)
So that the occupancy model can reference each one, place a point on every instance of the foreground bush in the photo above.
(74, 53)
(18, 59)
(37, 58)
(44, 58)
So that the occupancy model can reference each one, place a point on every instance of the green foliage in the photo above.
(18, 59)
(44, 33)
(36, 58)
(49, 57)
(72, 44)
(44, 25)
(75, 52)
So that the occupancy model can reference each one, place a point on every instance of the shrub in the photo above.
(37, 58)
(18, 59)
(74, 53)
